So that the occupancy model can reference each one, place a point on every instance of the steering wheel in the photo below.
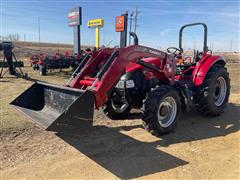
(173, 50)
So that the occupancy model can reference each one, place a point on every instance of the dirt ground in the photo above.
(200, 147)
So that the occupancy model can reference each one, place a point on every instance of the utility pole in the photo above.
(136, 16)
(130, 29)
(24, 37)
(39, 34)
(231, 44)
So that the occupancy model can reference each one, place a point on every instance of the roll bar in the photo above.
(205, 48)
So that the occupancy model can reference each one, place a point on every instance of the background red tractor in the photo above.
(161, 84)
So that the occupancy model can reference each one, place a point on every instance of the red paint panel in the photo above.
(203, 67)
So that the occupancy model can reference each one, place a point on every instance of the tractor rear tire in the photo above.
(161, 110)
(111, 112)
(214, 92)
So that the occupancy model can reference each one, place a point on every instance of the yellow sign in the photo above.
(96, 23)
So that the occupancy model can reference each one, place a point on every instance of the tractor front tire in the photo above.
(161, 110)
(214, 92)
(115, 113)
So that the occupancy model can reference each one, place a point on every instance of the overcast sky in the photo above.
(158, 21)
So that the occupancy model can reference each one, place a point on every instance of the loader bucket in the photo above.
(53, 106)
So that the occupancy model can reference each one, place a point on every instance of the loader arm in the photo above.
(112, 74)
(90, 66)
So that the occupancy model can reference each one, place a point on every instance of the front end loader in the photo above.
(49, 105)
(161, 84)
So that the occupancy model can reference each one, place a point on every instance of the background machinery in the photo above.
(43, 62)
(10, 61)
(161, 84)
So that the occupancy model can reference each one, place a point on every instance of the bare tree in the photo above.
(12, 37)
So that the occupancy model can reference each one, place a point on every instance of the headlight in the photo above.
(120, 85)
(129, 84)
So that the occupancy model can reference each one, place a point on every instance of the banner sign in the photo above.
(75, 16)
(120, 23)
(95, 23)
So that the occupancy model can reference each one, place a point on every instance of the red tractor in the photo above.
(161, 84)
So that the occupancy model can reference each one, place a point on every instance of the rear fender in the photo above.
(203, 66)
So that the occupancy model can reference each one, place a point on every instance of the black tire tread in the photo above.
(111, 114)
(152, 100)
(205, 106)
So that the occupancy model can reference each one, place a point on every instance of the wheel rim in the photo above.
(120, 107)
(220, 91)
(167, 111)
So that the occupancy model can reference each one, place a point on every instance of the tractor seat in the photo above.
(188, 58)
